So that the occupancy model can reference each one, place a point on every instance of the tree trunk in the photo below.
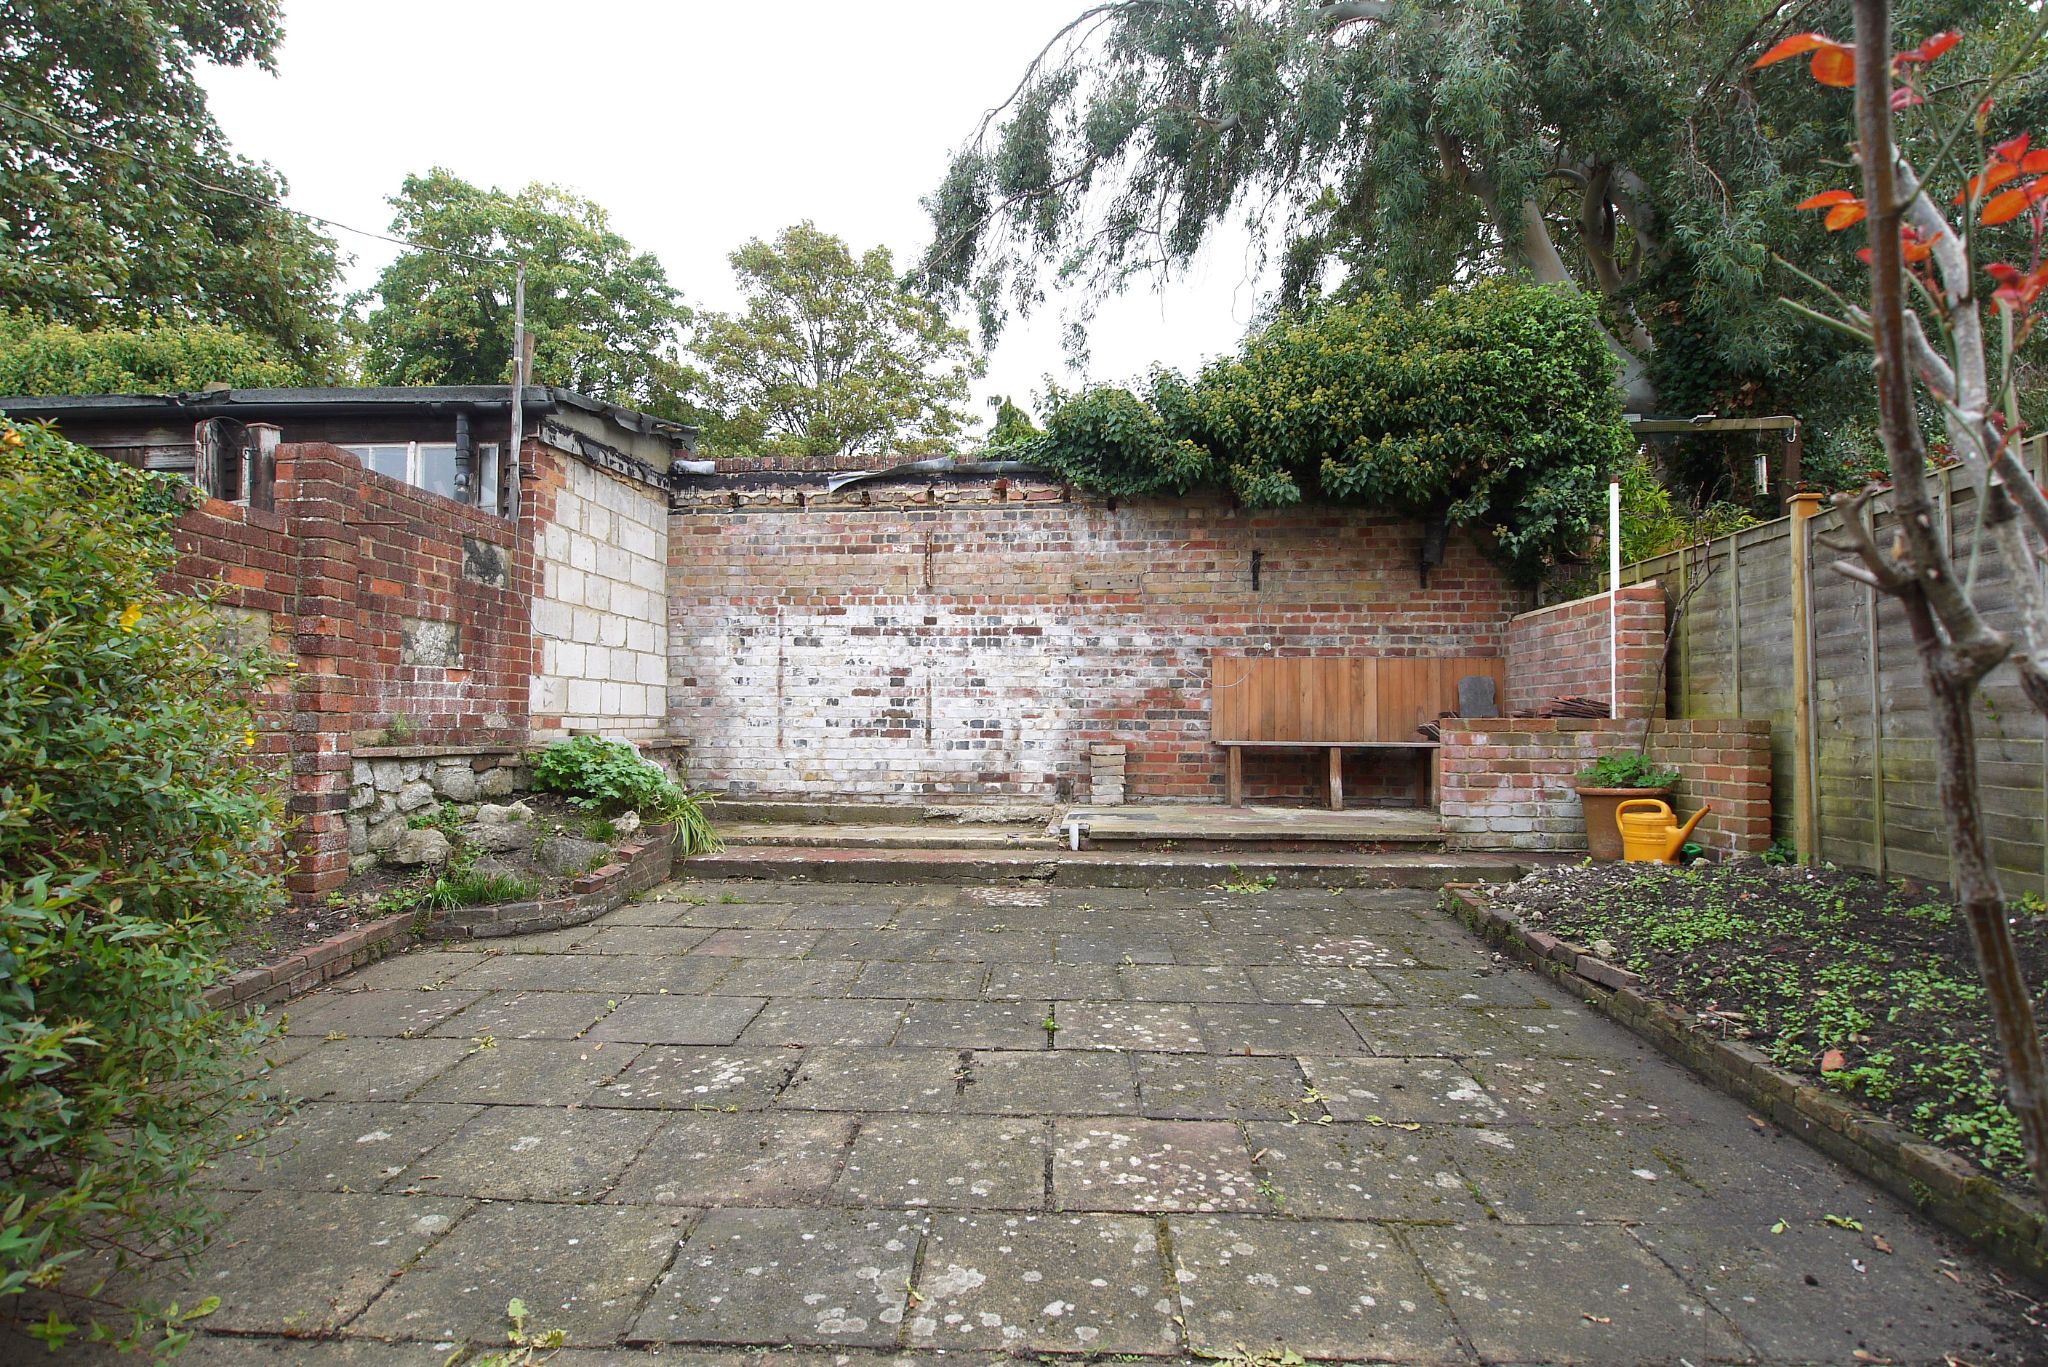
(1926, 573)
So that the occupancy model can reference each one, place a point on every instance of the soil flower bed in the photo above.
(1869, 986)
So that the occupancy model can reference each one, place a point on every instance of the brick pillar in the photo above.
(316, 492)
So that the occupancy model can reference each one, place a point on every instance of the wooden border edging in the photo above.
(1949, 1190)
(633, 868)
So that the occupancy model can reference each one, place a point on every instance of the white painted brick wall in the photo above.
(604, 635)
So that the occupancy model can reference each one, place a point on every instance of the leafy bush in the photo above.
(54, 358)
(1493, 407)
(609, 776)
(465, 887)
(1627, 771)
(135, 836)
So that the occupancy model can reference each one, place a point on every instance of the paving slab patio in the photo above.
(750, 1123)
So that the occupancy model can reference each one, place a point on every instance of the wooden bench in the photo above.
(1334, 704)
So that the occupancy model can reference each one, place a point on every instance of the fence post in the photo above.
(1805, 781)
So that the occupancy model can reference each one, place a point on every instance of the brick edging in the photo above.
(633, 868)
(1944, 1187)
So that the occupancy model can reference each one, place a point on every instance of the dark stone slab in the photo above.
(1205, 1087)
(338, 1146)
(918, 982)
(683, 1078)
(1507, 985)
(787, 1277)
(833, 1079)
(1185, 983)
(825, 1021)
(1014, 1082)
(672, 1019)
(1535, 1175)
(758, 944)
(1054, 982)
(1115, 1164)
(1088, 1284)
(379, 1013)
(1113, 949)
(1562, 1091)
(416, 970)
(977, 1025)
(1495, 1033)
(744, 1159)
(653, 941)
(1363, 1172)
(1320, 1288)
(983, 1162)
(580, 1269)
(1268, 1029)
(1243, 950)
(1569, 1294)
(788, 978)
(529, 1072)
(527, 1014)
(1402, 1090)
(1308, 986)
(532, 1153)
(1152, 1026)
(368, 1069)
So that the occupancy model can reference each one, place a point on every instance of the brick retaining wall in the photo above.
(1561, 652)
(1508, 784)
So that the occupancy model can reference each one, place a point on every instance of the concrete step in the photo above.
(1104, 868)
(933, 835)
(750, 811)
(1258, 826)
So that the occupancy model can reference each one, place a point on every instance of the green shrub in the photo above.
(1492, 407)
(609, 776)
(38, 357)
(135, 836)
(465, 887)
(1627, 771)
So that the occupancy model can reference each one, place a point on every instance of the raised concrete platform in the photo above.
(1106, 868)
(1215, 825)
(835, 812)
(931, 835)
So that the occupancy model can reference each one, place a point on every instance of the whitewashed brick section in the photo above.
(603, 630)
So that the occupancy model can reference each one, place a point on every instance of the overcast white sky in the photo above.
(698, 125)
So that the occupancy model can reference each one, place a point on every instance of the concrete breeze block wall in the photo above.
(600, 615)
(973, 638)
(1508, 783)
(1561, 652)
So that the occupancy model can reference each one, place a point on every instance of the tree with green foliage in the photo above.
(832, 355)
(1620, 150)
(1493, 408)
(161, 358)
(135, 835)
(1012, 424)
(604, 318)
(120, 200)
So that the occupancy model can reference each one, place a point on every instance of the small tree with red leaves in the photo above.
(1925, 248)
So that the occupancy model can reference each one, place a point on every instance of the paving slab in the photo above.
(1054, 982)
(526, 1014)
(918, 982)
(374, 1012)
(612, 974)
(368, 1069)
(825, 1021)
(833, 1079)
(1402, 1090)
(1269, 1029)
(1089, 1284)
(338, 1146)
(743, 1159)
(528, 1072)
(977, 1025)
(788, 978)
(658, 941)
(1113, 949)
(1307, 985)
(758, 944)
(984, 1162)
(1528, 1174)
(1205, 1087)
(1149, 1026)
(1479, 1033)
(1566, 1091)
(684, 1078)
(416, 969)
(1184, 983)
(787, 1277)
(664, 1018)
(580, 1269)
(1584, 1293)
(1319, 1288)
(1363, 1172)
(532, 1153)
(1061, 1082)
(1152, 1165)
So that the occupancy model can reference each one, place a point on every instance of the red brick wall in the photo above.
(1508, 784)
(972, 638)
(1561, 651)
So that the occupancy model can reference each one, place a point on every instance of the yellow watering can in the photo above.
(1650, 833)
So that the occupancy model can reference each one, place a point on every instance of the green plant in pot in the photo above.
(1611, 781)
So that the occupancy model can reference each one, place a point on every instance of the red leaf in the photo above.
(1997, 174)
(2034, 162)
(1916, 252)
(1835, 66)
(1792, 47)
(2005, 206)
(1929, 50)
(1905, 97)
(1826, 199)
(1844, 216)
(2002, 273)
(1833, 1061)
(2013, 148)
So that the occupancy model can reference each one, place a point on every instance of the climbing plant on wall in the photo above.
(1493, 408)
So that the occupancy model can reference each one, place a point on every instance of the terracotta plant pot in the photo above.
(1603, 833)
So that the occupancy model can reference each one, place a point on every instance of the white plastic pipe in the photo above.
(1613, 595)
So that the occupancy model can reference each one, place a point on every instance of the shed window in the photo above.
(437, 467)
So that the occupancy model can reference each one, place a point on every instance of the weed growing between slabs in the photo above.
(1869, 986)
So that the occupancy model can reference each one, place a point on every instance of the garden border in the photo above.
(633, 868)
(1947, 1189)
